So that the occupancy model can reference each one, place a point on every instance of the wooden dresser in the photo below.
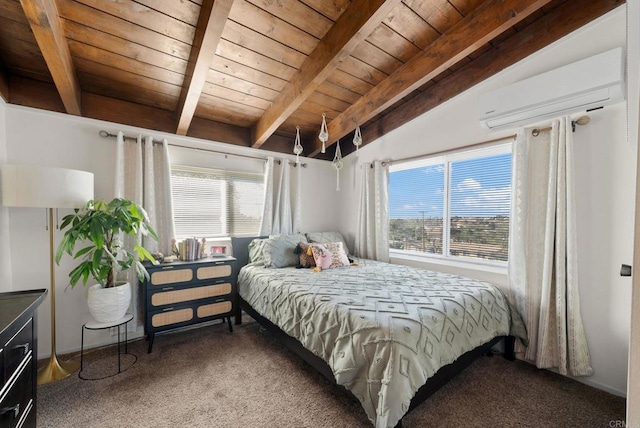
(184, 293)
(18, 357)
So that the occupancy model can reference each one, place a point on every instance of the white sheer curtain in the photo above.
(157, 195)
(281, 213)
(543, 277)
(372, 235)
(143, 175)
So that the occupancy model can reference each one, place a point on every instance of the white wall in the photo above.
(6, 283)
(605, 175)
(633, 382)
(52, 139)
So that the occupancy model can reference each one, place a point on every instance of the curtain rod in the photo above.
(582, 120)
(106, 134)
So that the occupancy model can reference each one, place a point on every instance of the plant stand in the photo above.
(95, 325)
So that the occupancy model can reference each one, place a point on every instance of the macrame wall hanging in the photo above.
(337, 164)
(297, 147)
(324, 133)
(357, 138)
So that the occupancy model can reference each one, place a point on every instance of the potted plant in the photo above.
(101, 226)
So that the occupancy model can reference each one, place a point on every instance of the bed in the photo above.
(390, 334)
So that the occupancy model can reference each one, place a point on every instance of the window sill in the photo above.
(480, 271)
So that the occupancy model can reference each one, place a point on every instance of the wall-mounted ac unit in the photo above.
(590, 83)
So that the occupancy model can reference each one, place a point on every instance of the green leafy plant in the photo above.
(101, 225)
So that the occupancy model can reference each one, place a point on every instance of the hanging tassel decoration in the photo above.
(337, 164)
(324, 133)
(297, 147)
(357, 138)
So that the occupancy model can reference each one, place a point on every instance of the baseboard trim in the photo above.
(601, 386)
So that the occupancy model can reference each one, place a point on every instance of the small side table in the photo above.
(95, 325)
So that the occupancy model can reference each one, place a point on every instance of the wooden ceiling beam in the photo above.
(46, 25)
(211, 22)
(128, 113)
(353, 27)
(217, 131)
(34, 93)
(478, 28)
(554, 25)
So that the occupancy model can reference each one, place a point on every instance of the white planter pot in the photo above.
(109, 304)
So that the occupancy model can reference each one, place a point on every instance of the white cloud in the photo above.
(417, 206)
(496, 199)
(434, 168)
(468, 184)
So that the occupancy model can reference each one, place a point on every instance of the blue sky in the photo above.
(479, 187)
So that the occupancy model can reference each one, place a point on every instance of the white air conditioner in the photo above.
(587, 84)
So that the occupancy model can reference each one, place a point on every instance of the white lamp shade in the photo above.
(45, 187)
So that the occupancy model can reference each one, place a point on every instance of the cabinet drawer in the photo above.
(170, 297)
(218, 271)
(213, 309)
(17, 348)
(171, 276)
(18, 402)
(170, 317)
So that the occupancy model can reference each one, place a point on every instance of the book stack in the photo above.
(190, 249)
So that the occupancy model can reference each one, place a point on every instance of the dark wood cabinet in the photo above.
(184, 293)
(18, 358)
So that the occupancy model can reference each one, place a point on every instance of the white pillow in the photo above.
(329, 255)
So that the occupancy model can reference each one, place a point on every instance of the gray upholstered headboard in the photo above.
(240, 248)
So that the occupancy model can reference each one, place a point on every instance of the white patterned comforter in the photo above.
(383, 329)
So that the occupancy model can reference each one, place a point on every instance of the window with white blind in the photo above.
(452, 206)
(214, 203)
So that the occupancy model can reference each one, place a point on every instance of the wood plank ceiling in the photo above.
(248, 72)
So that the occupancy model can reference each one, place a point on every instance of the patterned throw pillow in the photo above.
(329, 255)
(327, 237)
(306, 255)
(279, 252)
(255, 251)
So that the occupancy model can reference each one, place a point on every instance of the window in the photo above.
(213, 202)
(453, 206)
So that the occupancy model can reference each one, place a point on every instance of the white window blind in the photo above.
(480, 193)
(453, 206)
(416, 222)
(213, 202)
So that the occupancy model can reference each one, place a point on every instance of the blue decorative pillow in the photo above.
(279, 251)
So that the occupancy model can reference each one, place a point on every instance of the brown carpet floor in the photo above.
(208, 377)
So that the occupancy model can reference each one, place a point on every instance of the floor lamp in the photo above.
(45, 187)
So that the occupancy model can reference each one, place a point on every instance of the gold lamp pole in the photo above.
(46, 187)
(54, 370)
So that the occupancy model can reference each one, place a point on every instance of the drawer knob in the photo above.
(25, 348)
(14, 411)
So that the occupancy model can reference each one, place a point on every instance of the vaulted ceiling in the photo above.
(248, 72)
